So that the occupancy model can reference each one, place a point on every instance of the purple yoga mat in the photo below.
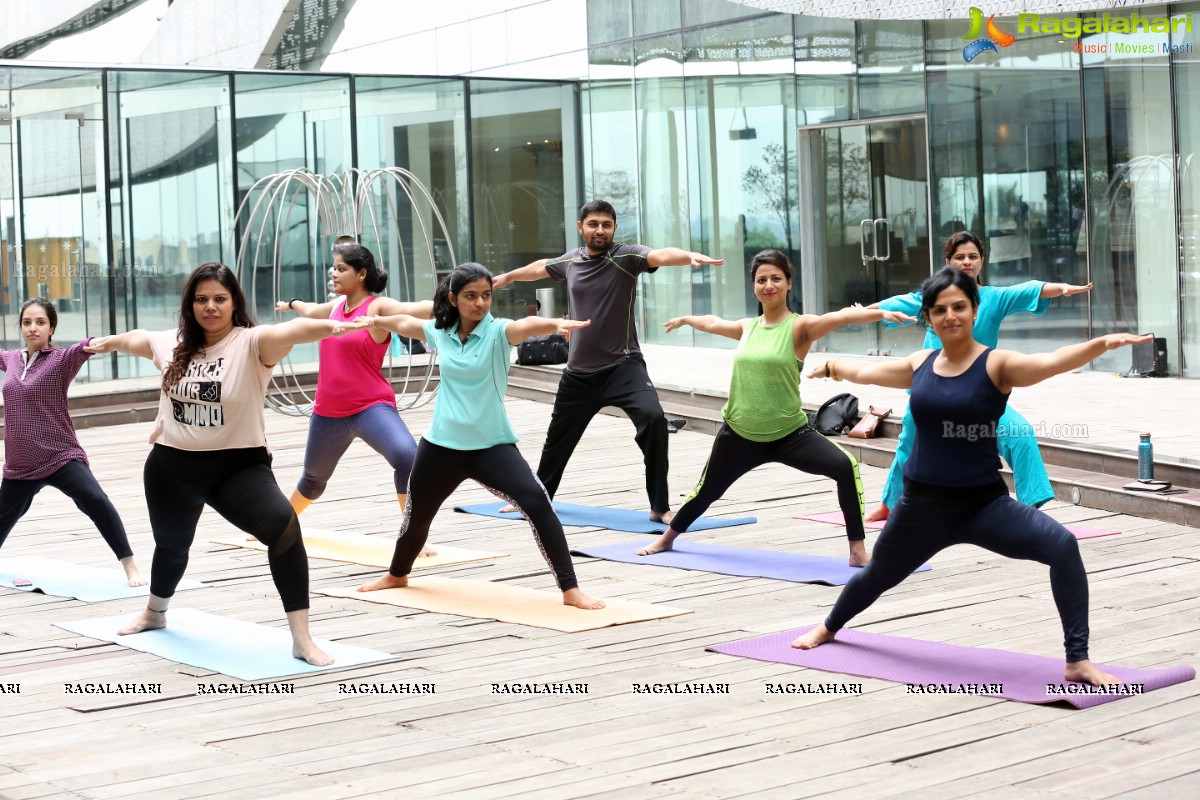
(967, 670)
(835, 518)
(796, 567)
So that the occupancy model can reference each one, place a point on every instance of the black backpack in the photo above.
(836, 415)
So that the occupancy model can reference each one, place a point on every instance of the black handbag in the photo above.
(550, 349)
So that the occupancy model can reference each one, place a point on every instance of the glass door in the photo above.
(9, 260)
(864, 223)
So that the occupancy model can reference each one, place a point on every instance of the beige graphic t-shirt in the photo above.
(218, 404)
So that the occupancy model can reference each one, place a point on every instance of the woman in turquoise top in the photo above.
(1016, 439)
(470, 436)
(763, 419)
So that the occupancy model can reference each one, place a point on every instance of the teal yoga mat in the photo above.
(231, 647)
(614, 519)
(64, 579)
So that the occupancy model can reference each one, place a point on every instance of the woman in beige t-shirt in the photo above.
(209, 441)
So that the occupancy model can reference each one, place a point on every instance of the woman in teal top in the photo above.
(763, 419)
(1015, 438)
(470, 436)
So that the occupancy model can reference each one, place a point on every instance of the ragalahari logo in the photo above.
(994, 36)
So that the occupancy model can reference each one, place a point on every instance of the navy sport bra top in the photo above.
(956, 426)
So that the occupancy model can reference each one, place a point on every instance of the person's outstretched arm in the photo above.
(276, 341)
(1021, 369)
(895, 374)
(389, 307)
(134, 343)
(1062, 290)
(730, 328)
(807, 328)
(402, 324)
(533, 271)
(308, 310)
(526, 327)
(675, 257)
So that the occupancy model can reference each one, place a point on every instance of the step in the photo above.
(1082, 475)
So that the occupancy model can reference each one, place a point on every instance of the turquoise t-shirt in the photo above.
(469, 411)
(995, 303)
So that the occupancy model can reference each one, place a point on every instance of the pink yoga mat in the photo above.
(835, 518)
(932, 668)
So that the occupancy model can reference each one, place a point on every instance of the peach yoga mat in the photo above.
(370, 551)
(537, 608)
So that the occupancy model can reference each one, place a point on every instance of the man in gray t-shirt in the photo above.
(605, 366)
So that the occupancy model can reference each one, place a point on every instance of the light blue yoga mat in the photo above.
(615, 519)
(795, 567)
(64, 579)
(231, 647)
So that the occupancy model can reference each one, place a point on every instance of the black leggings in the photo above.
(580, 397)
(926, 522)
(77, 482)
(240, 486)
(806, 450)
(437, 471)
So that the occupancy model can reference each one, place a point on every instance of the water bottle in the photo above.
(1145, 459)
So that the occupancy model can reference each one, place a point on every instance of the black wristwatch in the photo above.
(294, 299)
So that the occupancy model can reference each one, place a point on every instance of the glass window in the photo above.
(891, 60)
(609, 21)
(171, 191)
(522, 135)
(826, 66)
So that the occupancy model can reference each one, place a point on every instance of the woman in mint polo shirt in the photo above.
(471, 437)
(764, 422)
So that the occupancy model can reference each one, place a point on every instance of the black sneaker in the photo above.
(674, 425)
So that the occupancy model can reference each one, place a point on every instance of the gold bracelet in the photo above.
(832, 366)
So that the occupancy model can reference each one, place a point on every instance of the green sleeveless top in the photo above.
(764, 393)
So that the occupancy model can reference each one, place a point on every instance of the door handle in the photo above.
(887, 239)
(864, 231)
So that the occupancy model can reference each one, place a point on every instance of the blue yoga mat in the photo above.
(231, 647)
(64, 579)
(795, 567)
(615, 519)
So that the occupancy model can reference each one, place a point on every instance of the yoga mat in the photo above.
(370, 551)
(871, 655)
(243, 650)
(795, 567)
(516, 604)
(615, 519)
(835, 518)
(64, 579)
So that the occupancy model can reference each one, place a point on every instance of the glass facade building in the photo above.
(855, 146)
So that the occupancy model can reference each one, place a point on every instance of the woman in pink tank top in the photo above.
(354, 399)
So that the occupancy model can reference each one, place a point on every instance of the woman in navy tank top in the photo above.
(953, 492)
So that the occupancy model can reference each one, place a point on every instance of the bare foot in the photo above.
(427, 552)
(1087, 672)
(661, 545)
(814, 638)
(388, 581)
(132, 573)
(574, 597)
(878, 515)
(509, 510)
(146, 621)
(858, 553)
(664, 517)
(311, 653)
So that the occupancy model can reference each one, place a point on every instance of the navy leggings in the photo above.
(329, 437)
(77, 482)
(438, 471)
(240, 486)
(806, 450)
(928, 520)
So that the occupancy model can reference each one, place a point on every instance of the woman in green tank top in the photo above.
(764, 422)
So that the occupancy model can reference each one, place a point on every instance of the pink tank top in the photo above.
(350, 379)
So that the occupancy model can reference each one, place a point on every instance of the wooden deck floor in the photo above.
(465, 742)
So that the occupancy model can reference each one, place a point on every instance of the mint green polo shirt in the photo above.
(469, 411)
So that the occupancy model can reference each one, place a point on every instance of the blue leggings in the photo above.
(1018, 447)
(329, 437)
(926, 522)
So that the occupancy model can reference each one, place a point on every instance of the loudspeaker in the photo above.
(1149, 359)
